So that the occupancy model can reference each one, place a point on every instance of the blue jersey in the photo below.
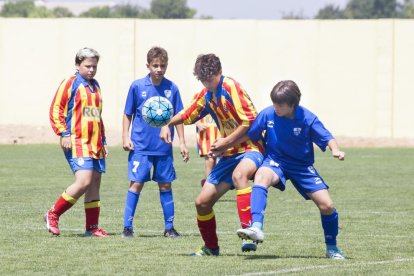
(290, 141)
(146, 138)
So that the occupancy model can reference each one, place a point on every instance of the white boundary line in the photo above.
(307, 268)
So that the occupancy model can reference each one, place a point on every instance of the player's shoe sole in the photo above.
(251, 233)
(248, 246)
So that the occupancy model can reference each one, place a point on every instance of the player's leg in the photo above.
(209, 163)
(139, 167)
(93, 207)
(206, 219)
(266, 176)
(330, 220)
(164, 174)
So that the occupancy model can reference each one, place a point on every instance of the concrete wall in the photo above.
(355, 74)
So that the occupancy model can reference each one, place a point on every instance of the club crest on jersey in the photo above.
(270, 124)
(167, 93)
(144, 94)
(297, 131)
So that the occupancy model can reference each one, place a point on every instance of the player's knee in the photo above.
(326, 208)
(239, 178)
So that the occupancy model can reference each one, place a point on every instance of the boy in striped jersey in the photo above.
(231, 108)
(75, 115)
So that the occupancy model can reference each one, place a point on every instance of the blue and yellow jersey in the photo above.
(230, 107)
(206, 136)
(76, 111)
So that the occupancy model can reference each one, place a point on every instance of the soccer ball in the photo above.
(157, 111)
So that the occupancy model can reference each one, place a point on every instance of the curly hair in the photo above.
(286, 91)
(206, 66)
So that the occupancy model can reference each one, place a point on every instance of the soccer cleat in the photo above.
(52, 222)
(96, 232)
(251, 233)
(335, 254)
(205, 251)
(248, 245)
(128, 233)
(172, 233)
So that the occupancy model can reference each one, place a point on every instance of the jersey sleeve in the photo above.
(130, 103)
(59, 108)
(191, 113)
(255, 131)
(320, 135)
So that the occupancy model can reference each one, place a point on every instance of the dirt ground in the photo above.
(18, 134)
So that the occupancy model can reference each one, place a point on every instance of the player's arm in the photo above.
(222, 144)
(126, 139)
(183, 147)
(336, 152)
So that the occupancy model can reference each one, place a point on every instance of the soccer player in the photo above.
(75, 115)
(146, 149)
(233, 111)
(290, 132)
(207, 133)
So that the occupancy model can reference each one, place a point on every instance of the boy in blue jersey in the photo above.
(290, 131)
(146, 149)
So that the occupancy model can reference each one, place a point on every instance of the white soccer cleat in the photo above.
(334, 254)
(251, 233)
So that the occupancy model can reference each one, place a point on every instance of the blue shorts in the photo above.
(305, 178)
(139, 168)
(223, 171)
(85, 163)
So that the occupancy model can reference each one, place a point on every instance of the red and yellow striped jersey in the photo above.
(76, 111)
(206, 136)
(230, 106)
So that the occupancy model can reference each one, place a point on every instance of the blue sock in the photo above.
(258, 205)
(330, 228)
(130, 206)
(167, 203)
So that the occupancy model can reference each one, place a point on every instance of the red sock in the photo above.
(207, 226)
(92, 210)
(243, 206)
(63, 203)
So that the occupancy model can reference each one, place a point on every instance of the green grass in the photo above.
(373, 191)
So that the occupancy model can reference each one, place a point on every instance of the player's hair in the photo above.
(85, 53)
(157, 52)
(206, 67)
(286, 91)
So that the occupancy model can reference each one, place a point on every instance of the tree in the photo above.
(17, 8)
(171, 9)
(128, 11)
(98, 12)
(62, 12)
(363, 9)
(330, 12)
(408, 9)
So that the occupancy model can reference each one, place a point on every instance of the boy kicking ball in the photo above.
(291, 130)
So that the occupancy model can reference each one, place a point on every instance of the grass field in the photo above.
(373, 191)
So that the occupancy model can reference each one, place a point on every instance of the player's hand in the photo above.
(127, 144)
(66, 143)
(165, 134)
(218, 145)
(215, 154)
(106, 150)
(200, 126)
(184, 153)
(339, 154)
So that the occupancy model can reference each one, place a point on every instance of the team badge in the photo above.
(167, 93)
(297, 130)
(144, 94)
(81, 161)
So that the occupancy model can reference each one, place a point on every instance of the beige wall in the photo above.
(354, 74)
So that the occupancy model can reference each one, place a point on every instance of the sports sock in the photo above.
(167, 203)
(63, 203)
(330, 227)
(92, 210)
(207, 226)
(243, 206)
(130, 206)
(259, 202)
